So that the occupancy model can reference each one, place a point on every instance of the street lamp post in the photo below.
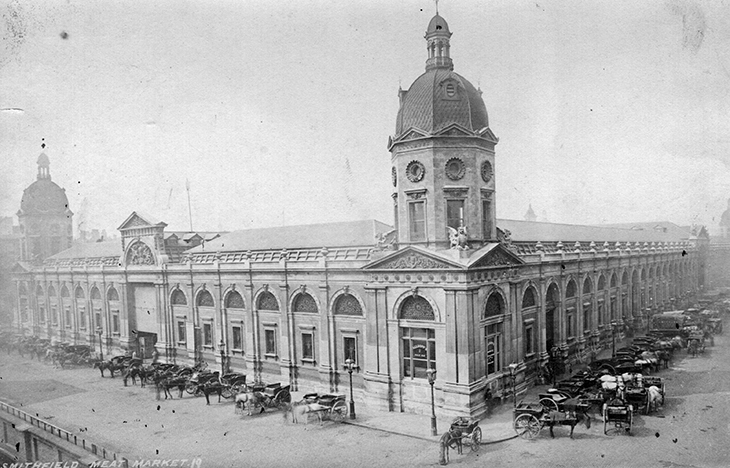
(221, 347)
(613, 339)
(99, 332)
(350, 367)
(431, 373)
(512, 368)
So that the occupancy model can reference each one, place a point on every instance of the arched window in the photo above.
(178, 298)
(416, 308)
(347, 305)
(494, 306)
(571, 290)
(267, 301)
(112, 295)
(22, 290)
(79, 293)
(643, 275)
(625, 278)
(64, 292)
(587, 286)
(613, 280)
(205, 299)
(51, 291)
(95, 294)
(528, 300)
(304, 303)
(601, 283)
(39, 291)
(234, 301)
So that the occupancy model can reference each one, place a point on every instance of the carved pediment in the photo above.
(136, 220)
(495, 257)
(411, 259)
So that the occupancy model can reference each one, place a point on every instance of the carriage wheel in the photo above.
(476, 439)
(191, 388)
(527, 426)
(283, 398)
(338, 411)
(227, 392)
(549, 404)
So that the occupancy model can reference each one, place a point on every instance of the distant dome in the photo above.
(725, 219)
(44, 196)
(429, 104)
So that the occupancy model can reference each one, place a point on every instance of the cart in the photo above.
(330, 406)
(471, 433)
(528, 419)
(619, 413)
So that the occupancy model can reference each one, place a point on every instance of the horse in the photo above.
(212, 387)
(450, 440)
(300, 411)
(107, 365)
(560, 418)
(655, 397)
(250, 399)
(168, 383)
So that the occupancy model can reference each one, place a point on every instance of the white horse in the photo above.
(655, 398)
(300, 412)
(248, 400)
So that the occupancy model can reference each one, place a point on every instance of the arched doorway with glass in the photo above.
(418, 353)
(492, 332)
(552, 306)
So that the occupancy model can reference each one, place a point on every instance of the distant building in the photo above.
(44, 216)
(530, 215)
(447, 287)
(719, 269)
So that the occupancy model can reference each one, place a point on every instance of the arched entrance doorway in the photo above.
(552, 304)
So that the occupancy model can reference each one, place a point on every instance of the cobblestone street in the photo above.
(691, 430)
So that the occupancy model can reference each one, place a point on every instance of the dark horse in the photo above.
(107, 365)
(565, 418)
(450, 440)
(168, 383)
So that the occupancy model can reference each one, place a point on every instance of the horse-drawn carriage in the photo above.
(619, 413)
(262, 397)
(332, 406)
(696, 342)
(530, 418)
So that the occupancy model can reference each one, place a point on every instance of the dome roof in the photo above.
(437, 24)
(440, 98)
(44, 196)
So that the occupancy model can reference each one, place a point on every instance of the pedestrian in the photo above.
(155, 355)
(488, 400)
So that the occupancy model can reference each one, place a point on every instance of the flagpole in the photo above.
(190, 210)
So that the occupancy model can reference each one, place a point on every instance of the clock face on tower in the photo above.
(415, 171)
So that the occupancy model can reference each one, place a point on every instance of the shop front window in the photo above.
(419, 351)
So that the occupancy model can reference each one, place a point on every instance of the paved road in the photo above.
(692, 430)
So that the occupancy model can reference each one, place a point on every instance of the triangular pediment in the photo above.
(494, 255)
(455, 130)
(136, 220)
(21, 267)
(412, 134)
(487, 134)
(413, 258)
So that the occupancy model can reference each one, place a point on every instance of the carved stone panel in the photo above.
(348, 305)
(416, 308)
(140, 254)
(413, 262)
(305, 303)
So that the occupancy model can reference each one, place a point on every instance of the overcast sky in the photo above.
(280, 112)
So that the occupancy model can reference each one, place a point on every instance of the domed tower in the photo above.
(44, 217)
(725, 222)
(442, 154)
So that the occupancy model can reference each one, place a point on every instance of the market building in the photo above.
(446, 287)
